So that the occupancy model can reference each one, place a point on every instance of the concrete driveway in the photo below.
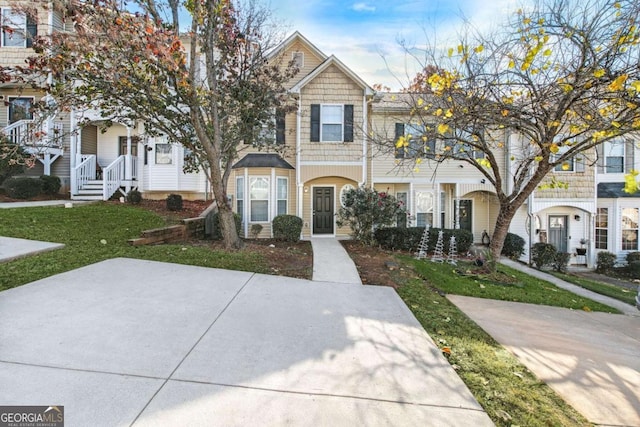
(131, 342)
(592, 360)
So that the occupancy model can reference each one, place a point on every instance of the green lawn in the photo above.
(95, 232)
(617, 292)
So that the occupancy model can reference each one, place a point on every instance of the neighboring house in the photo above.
(327, 146)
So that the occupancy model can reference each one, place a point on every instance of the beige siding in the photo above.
(332, 87)
(308, 173)
(311, 60)
(12, 56)
(581, 184)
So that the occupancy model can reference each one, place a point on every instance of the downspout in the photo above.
(365, 136)
(299, 184)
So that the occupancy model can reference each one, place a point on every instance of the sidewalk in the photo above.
(332, 263)
(13, 205)
(627, 309)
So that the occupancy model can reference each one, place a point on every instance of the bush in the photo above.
(561, 261)
(633, 269)
(216, 234)
(543, 254)
(23, 187)
(174, 202)
(513, 246)
(134, 197)
(408, 239)
(633, 256)
(366, 210)
(13, 159)
(287, 227)
(256, 229)
(605, 262)
(50, 184)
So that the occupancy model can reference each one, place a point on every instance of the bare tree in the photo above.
(553, 83)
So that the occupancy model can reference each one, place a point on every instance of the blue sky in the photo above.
(361, 32)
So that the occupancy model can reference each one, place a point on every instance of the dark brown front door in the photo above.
(323, 210)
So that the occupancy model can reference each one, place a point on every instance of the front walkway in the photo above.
(331, 262)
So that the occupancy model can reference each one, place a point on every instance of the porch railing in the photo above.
(84, 172)
(28, 133)
(113, 175)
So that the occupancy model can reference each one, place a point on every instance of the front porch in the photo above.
(43, 140)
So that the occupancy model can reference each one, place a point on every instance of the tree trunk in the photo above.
(505, 215)
(227, 224)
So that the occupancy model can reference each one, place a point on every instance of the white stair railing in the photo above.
(28, 133)
(113, 175)
(84, 172)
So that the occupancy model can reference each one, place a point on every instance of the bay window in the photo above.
(259, 199)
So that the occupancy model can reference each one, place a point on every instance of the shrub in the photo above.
(23, 187)
(513, 246)
(174, 202)
(134, 197)
(561, 261)
(256, 229)
(543, 254)
(13, 159)
(605, 262)
(50, 184)
(408, 239)
(216, 234)
(366, 210)
(287, 227)
(633, 256)
(633, 269)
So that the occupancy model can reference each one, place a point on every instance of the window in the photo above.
(614, 156)
(259, 199)
(443, 201)
(134, 145)
(424, 208)
(343, 194)
(20, 109)
(331, 123)
(569, 165)
(271, 131)
(18, 30)
(401, 218)
(417, 144)
(602, 224)
(240, 196)
(298, 59)
(462, 150)
(163, 154)
(281, 195)
(630, 229)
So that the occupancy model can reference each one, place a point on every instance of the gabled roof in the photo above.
(291, 40)
(332, 60)
(613, 190)
(262, 160)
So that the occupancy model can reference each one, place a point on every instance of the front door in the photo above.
(323, 210)
(464, 214)
(558, 232)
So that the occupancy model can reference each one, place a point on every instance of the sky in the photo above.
(365, 34)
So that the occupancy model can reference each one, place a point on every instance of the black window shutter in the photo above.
(348, 123)
(280, 127)
(32, 31)
(315, 122)
(399, 133)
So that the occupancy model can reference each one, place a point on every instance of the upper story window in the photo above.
(298, 59)
(331, 123)
(463, 150)
(614, 156)
(415, 143)
(18, 30)
(571, 164)
(271, 132)
(20, 108)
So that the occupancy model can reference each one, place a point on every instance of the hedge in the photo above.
(408, 239)
(287, 227)
(50, 184)
(23, 187)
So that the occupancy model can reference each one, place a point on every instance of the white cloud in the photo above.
(363, 7)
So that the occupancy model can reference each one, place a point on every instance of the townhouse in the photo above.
(340, 137)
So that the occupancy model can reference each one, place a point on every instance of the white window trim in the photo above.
(622, 229)
(607, 148)
(250, 199)
(7, 23)
(571, 160)
(606, 228)
(286, 199)
(243, 198)
(322, 122)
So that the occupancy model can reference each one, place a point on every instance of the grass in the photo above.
(94, 233)
(506, 285)
(617, 292)
(509, 393)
